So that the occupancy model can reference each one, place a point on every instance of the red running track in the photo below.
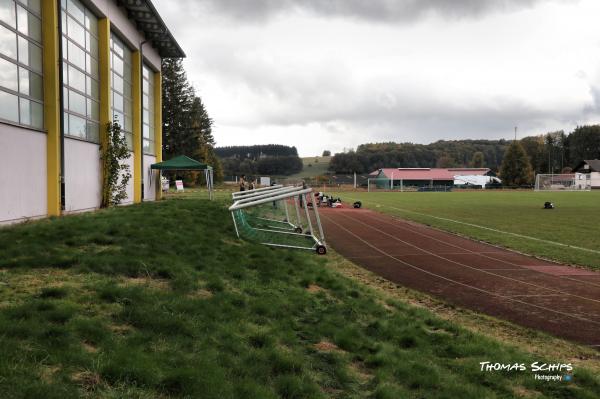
(561, 300)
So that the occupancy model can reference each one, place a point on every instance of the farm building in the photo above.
(69, 67)
(591, 167)
(427, 177)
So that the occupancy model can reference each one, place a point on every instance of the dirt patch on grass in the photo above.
(313, 288)
(200, 294)
(89, 347)
(47, 373)
(361, 372)
(87, 380)
(149, 282)
(327, 346)
(527, 340)
(121, 329)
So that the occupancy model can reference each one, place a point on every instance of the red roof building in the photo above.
(428, 174)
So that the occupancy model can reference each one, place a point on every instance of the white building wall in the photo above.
(595, 176)
(83, 175)
(23, 174)
(150, 178)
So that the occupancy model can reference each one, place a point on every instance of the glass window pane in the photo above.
(24, 111)
(76, 79)
(128, 124)
(117, 65)
(93, 132)
(30, 54)
(91, 23)
(9, 107)
(118, 102)
(93, 88)
(76, 102)
(76, 32)
(146, 131)
(77, 126)
(31, 84)
(93, 109)
(76, 10)
(147, 145)
(127, 90)
(29, 24)
(92, 68)
(117, 83)
(32, 4)
(37, 115)
(146, 116)
(8, 42)
(126, 107)
(76, 55)
(8, 75)
(7, 12)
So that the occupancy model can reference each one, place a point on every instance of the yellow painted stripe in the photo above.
(105, 93)
(52, 103)
(158, 125)
(137, 128)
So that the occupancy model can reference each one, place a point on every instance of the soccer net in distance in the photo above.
(563, 182)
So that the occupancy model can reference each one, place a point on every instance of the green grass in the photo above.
(574, 221)
(159, 300)
(312, 167)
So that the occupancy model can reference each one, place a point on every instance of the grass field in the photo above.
(312, 166)
(160, 300)
(518, 217)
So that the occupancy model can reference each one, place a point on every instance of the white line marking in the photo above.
(460, 263)
(490, 229)
(463, 284)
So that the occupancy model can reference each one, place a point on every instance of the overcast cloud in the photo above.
(333, 74)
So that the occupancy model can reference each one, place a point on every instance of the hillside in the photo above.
(93, 308)
(313, 166)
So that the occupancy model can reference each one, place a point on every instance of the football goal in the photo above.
(279, 217)
(563, 182)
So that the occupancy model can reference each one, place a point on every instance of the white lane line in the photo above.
(482, 254)
(465, 265)
(489, 228)
(462, 284)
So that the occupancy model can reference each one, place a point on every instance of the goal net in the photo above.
(563, 182)
(279, 217)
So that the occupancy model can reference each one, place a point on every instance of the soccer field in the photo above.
(514, 219)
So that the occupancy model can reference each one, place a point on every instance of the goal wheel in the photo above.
(357, 205)
(298, 230)
(321, 250)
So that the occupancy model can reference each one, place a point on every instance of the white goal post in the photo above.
(563, 182)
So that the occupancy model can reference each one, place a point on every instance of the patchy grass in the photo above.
(156, 300)
(574, 221)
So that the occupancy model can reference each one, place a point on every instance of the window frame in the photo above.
(20, 66)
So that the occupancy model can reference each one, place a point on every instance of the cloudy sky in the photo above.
(332, 74)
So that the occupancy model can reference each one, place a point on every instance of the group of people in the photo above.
(247, 185)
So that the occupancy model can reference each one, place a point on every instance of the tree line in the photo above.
(441, 154)
(516, 162)
(187, 127)
(269, 159)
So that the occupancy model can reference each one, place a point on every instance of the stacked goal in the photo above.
(563, 182)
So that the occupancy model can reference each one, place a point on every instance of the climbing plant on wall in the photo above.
(115, 173)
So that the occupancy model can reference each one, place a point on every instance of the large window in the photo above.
(120, 65)
(148, 114)
(80, 71)
(21, 87)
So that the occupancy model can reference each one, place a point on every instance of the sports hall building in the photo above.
(67, 68)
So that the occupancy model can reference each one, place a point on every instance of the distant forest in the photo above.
(553, 152)
(443, 154)
(269, 159)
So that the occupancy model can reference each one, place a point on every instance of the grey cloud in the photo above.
(370, 10)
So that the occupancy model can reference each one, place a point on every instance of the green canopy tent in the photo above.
(186, 163)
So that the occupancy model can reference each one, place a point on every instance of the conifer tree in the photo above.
(516, 168)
